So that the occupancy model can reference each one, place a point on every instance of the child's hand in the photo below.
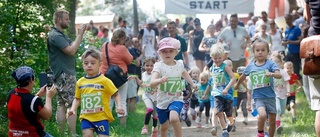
(131, 77)
(195, 87)
(268, 74)
(204, 97)
(164, 79)
(70, 112)
(224, 92)
(144, 85)
(120, 111)
(236, 87)
(288, 94)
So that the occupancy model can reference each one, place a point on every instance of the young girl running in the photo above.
(295, 87)
(261, 72)
(194, 74)
(166, 75)
(203, 99)
(148, 96)
(281, 89)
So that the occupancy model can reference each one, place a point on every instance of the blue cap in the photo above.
(22, 73)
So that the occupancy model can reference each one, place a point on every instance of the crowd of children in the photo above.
(172, 95)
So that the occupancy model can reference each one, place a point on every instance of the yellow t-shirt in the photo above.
(235, 92)
(95, 94)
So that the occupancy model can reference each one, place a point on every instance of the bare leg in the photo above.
(164, 129)
(272, 124)
(61, 119)
(174, 120)
(317, 124)
(261, 118)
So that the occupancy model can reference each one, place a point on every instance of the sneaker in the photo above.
(225, 134)
(206, 125)
(198, 120)
(234, 129)
(294, 119)
(230, 127)
(266, 134)
(154, 133)
(198, 125)
(188, 122)
(245, 121)
(213, 131)
(144, 131)
(260, 135)
(279, 129)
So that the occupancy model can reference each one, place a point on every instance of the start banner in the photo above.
(208, 6)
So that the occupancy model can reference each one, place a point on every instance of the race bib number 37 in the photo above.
(173, 84)
(91, 103)
(259, 79)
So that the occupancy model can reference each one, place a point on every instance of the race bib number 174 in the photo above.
(259, 79)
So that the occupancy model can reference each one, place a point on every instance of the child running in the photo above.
(194, 74)
(295, 87)
(222, 81)
(166, 75)
(204, 99)
(281, 89)
(148, 96)
(261, 72)
(242, 96)
(93, 93)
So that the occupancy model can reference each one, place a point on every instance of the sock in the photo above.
(260, 131)
(278, 123)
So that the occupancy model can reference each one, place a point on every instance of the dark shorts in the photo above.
(65, 84)
(291, 99)
(101, 127)
(194, 103)
(198, 55)
(163, 114)
(223, 105)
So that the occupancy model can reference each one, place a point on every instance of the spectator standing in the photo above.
(276, 36)
(61, 50)
(292, 41)
(195, 39)
(148, 37)
(263, 19)
(312, 11)
(120, 56)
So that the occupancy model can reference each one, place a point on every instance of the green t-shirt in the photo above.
(59, 61)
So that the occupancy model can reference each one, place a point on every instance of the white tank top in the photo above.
(276, 42)
(148, 42)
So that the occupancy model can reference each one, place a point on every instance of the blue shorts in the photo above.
(101, 127)
(212, 102)
(235, 102)
(163, 114)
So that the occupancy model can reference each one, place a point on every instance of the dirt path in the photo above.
(242, 130)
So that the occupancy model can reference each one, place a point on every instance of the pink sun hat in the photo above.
(169, 43)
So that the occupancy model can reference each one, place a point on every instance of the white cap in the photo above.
(151, 21)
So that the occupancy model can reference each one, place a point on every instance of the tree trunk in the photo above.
(135, 18)
(72, 17)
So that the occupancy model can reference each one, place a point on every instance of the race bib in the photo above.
(259, 79)
(173, 84)
(201, 93)
(148, 40)
(91, 103)
(293, 88)
(219, 79)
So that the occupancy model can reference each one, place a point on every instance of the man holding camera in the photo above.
(25, 109)
(61, 50)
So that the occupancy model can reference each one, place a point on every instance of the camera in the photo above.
(50, 78)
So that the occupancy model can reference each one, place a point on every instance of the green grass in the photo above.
(304, 126)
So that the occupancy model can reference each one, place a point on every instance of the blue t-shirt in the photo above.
(293, 34)
(201, 91)
(267, 91)
(217, 89)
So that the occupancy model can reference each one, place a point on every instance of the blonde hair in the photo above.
(117, 35)
(259, 40)
(217, 50)
(93, 52)
(204, 75)
(194, 69)
(59, 15)
(208, 31)
(277, 57)
(289, 63)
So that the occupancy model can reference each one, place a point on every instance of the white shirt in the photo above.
(148, 39)
(163, 99)
(276, 42)
(148, 95)
(280, 85)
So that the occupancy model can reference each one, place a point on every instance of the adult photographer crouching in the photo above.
(24, 109)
